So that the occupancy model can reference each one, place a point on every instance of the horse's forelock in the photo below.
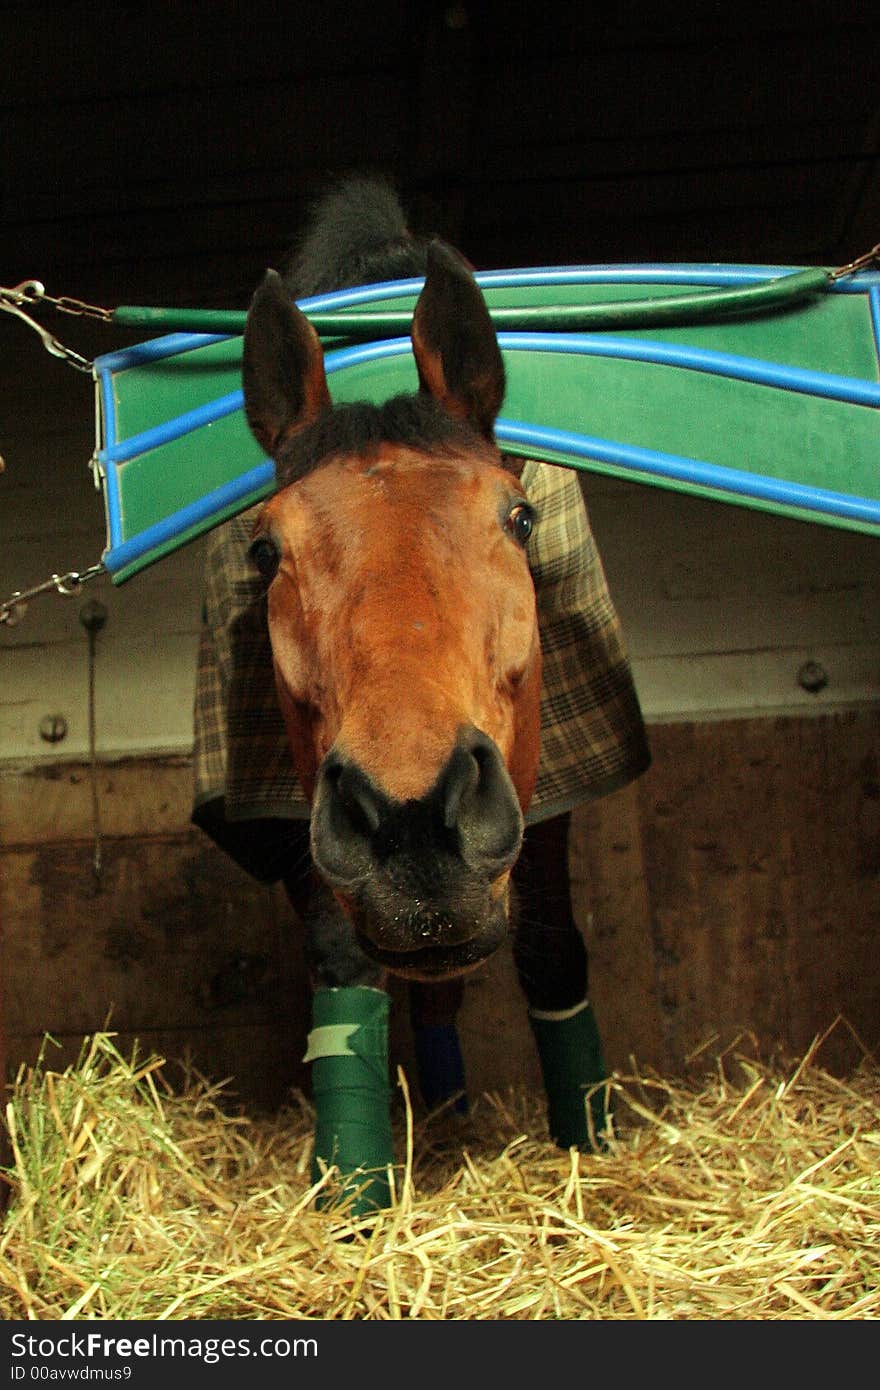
(414, 423)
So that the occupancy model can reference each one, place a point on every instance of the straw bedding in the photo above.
(752, 1195)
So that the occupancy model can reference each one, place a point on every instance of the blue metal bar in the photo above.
(874, 303)
(708, 475)
(169, 345)
(727, 364)
(180, 425)
(111, 480)
(172, 429)
(258, 479)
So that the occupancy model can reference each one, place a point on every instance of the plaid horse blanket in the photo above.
(592, 735)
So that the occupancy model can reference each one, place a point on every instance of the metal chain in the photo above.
(31, 292)
(12, 300)
(862, 262)
(67, 585)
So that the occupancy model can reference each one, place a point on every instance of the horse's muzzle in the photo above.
(424, 880)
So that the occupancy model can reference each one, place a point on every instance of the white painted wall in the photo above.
(722, 606)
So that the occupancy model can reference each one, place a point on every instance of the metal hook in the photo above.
(29, 292)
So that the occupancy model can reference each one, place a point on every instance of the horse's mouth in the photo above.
(437, 960)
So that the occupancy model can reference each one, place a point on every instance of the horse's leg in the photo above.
(551, 961)
(433, 1010)
(348, 1050)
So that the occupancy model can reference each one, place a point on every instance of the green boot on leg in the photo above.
(570, 1051)
(348, 1049)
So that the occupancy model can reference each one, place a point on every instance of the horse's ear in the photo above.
(454, 342)
(282, 369)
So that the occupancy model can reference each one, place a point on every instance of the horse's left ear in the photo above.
(282, 366)
(454, 342)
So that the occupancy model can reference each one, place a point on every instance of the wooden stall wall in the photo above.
(735, 887)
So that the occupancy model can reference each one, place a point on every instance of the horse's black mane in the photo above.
(415, 422)
(357, 234)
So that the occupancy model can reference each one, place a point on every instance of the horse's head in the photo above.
(403, 625)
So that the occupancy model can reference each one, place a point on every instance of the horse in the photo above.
(407, 658)
(422, 627)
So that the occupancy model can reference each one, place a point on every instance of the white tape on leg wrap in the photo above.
(559, 1015)
(331, 1040)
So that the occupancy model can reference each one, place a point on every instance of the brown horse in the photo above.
(407, 662)
(403, 628)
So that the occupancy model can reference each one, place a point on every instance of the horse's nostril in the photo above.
(347, 811)
(359, 799)
(480, 803)
(462, 776)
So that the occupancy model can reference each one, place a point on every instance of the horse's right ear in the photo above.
(282, 371)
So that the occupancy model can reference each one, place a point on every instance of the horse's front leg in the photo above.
(348, 1050)
(433, 1009)
(551, 961)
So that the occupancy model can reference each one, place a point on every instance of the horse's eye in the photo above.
(520, 520)
(264, 555)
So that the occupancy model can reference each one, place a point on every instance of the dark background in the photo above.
(165, 152)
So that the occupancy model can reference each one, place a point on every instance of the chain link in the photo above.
(862, 262)
(66, 585)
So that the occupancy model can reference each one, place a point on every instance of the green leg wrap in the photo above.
(570, 1050)
(348, 1049)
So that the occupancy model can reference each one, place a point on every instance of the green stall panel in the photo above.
(770, 406)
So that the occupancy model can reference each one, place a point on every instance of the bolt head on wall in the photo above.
(812, 677)
(53, 728)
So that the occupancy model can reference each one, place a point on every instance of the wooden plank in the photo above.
(258, 1065)
(721, 609)
(168, 936)
(175, 947)
(496, 1040)
(760, 854)
(747, 684)
(45, 803)
(613, 909)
